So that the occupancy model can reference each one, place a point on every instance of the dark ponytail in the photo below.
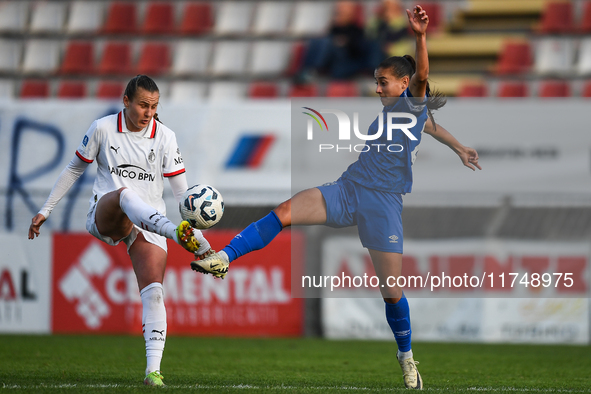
(144, 82)
(402, 66)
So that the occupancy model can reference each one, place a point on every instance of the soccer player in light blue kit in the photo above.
(369, 192)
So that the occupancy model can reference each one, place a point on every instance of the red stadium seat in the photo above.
(154, 59)
(116, 59)
(473, 89)
(513, 89)
(110, 90)
(515, 58)
(308, 90)
(34, 89)
(263, 90)
(586, 92)
(159, 19)
(121, 19)
(557, 18)
(554, 89)
(79, 58)
(298, 51)
(197, 19)
(342, 89)
(435, 16)
(71, 89)
(585, 26)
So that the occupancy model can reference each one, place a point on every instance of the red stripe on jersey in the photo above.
(174, 173)
(119, 124)
(83, 158)
(153, 128)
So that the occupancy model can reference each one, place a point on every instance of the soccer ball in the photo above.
(202, 206)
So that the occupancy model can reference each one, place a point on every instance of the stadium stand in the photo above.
(311, 18)
(6, 88)
(191, 58)
(197, 19)
(268, 58)
(48, 16)
(116, 59)
(557, 18)
(41, 56)
(515, 58)
(473, 89)
(11, 54)
(555, 56)
(234, 18)
(513, 89)
(585, 25)
(110, 90)
(554, 89)
(229, 58)
(186, 90)
(586, 92)
(85, 17)
(71, 89)
(34, 89)
(13, 16)
(272, 18)
(342, 89)
(225, 90)
(154, 59)
(435, 16)
(159, 19)
(263, 90)
(78, 58)
(584, 63)
(250, 40)
(121, 19)
(307, 90)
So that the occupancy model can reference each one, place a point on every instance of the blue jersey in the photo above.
(388, 170)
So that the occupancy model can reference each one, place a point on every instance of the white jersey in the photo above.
(137, 160)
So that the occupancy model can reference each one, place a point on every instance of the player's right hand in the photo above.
(36, 223)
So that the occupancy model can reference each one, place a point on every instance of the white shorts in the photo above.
(152, 238)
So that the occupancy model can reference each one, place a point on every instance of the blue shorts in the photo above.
(377, 214)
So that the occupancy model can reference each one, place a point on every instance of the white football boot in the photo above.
(410, 373)
(216, 264)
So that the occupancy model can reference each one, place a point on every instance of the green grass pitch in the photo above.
(82, 364)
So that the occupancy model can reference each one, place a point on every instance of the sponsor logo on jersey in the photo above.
(178, 160)
(393, 239)
(115, 149)
(131, 171)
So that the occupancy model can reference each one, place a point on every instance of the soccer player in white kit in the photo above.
(134, 153)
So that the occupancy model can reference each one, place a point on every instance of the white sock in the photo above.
(153, 324)
(144, 216)
(404, 355)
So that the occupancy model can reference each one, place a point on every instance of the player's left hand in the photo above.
(469, 157)
(418, 19)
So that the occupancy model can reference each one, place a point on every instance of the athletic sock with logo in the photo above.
(153, 324)
(256, 236)
(398, 316)
(145, 216)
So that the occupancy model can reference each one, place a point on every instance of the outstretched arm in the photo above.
(468, 155)
(64, 182)
(418, 21)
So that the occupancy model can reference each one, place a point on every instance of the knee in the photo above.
(283, 212)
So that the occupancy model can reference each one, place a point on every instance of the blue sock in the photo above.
(398, 316)
(256, 236)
